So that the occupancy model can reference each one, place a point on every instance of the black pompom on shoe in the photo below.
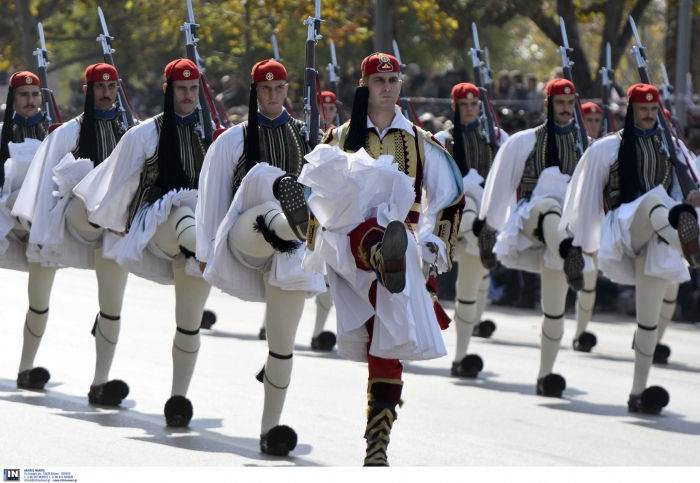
(325, 341)
(111, 393)
(35, 378)
(178, 411)
(661, 354)
(484, 329)
(477, 225)
(585, 342)
(471, 365)
(552, 385)
(262, 335)
(279, 441)
(208, 319)
(652, 400)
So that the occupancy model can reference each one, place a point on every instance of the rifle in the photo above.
(277, 58)
(333, 70)
(580, 128)
(666, 88)
(404, 102)
(685, 178)
(606, 75)
(205, 121)
(487, 73)
(312, 117)
(51, 111)
(127, 115)
(490, 133)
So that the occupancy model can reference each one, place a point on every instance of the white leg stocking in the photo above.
(191, 294)
(284, 309)
(483, 296)
(111, 283)
(470, 278)
(554, 288)
(243, 239)
(39, 289)
(324, 302)
(469, 214)
(650, 294)
(586, 300)
(667, 309)
(551, 233)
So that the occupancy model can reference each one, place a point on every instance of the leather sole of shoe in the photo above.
(394, 245)
(573, 269)
(293, 204)
(689, 235)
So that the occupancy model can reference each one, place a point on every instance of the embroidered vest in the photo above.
(21, 132)
(479, 154)
(192, 152)
(409, 153)
(282, 146)
(536, 162)
(653, 169)
(108, 136)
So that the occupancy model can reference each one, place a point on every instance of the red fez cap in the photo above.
(560, 86)
(643, 93)
(268, 70)
(181, 69)
(24, 78)
(465, 90)
(591, 108)
(328, 97)
(101, 73)
(380, 63)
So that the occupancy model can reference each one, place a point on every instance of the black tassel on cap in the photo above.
(627, 159)
(87, 141)
(171, 174)
(7, 129)
(357, 133)
(552, 153)
(459, 153)
(252, 147)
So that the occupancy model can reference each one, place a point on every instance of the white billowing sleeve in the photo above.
(216, 188)
(505, 176)
(685, 157)
(583, 205)
(441, 137)
(109, 189)
(443, 187)
(36, 196)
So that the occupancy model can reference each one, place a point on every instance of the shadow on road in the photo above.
(197, 437)
(666, 421)
(228, 335)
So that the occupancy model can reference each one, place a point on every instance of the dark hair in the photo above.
(7, 129)
(357, 132)
(459, 153)
(171, 175)
(552, 154)
(627, 159)
(252, 148)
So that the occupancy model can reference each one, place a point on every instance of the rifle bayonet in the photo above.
(275, 49)
(51, 111)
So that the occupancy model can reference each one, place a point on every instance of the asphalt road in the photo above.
(496, 420)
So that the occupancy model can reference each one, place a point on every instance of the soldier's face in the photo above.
(468, 109)
(271, 96)
(563, 108)
(185, 95)
(595, 122)
(384, 90)
(105, 95)
(27, 100)
(645, 114)
(329, 111)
